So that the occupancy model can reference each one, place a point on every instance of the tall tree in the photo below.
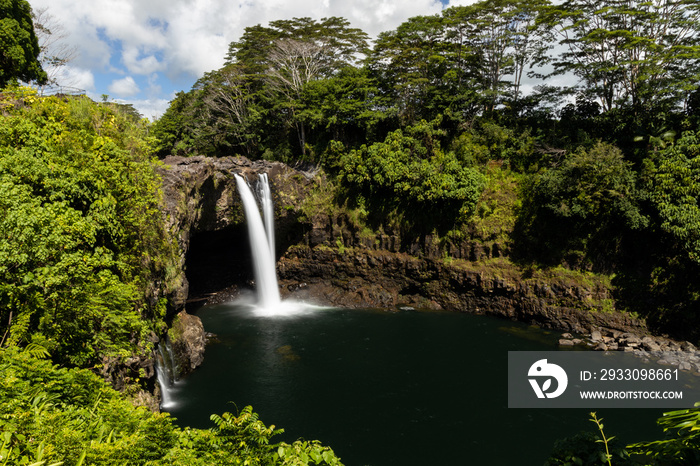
(629, 52)
(289, 54)
(55, 52)
(19, 47)
(229, 100)
(425, 68)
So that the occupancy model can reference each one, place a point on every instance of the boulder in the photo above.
(187, 340)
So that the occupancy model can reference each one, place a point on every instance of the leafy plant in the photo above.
(578, 210)
(589, 449)
(82, 238)
(681, 445)
(410, 174)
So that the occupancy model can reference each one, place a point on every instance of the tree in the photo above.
(55, 52)
(424, 68)
(468, 59)
(19, 47)
(578, 210)
(491, 34)
(230, 101)
(409, 175)
(346, 107)
(673, 184)
(284, 57)
(629, 52)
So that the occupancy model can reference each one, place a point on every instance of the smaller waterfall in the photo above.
(167, 372)
(261, 243)
(166, 400)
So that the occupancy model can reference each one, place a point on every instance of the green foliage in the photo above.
(490, 141)
(628, 52)
(19, 46)
(586, 449)
(495, 215)
(681, 445)
(409, 172)
(72, 417)
(589, 449)
(673, 184)
(81, 237)
(578, 209)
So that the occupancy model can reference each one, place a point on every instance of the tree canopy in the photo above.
(19, 46)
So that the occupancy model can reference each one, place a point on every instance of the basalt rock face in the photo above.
(360, 277)
(326, 259)
(204, 214)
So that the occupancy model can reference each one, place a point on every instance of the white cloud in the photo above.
(149, 108)
(192, 36)
(125, 87)
(72, 76)
(136, 63)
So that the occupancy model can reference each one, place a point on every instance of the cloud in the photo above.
(125, 87)
(192, 36)
(72, 76)
(149, 108)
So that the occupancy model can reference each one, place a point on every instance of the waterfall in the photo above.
(268, 210)
(261, 242)
(167, 372)
(166, 400)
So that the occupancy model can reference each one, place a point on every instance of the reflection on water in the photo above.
(380, 388)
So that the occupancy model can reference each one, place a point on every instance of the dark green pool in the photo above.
(385, 388)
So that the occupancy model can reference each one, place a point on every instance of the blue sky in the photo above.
(144, 51)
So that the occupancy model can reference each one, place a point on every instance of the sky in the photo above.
(142, 52)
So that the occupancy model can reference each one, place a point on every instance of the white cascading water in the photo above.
(261, 246)
(166, 400)
(268, 210)
(166, 373)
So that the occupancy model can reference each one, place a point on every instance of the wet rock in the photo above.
(188, 341)
(688, 346)
(651, 346)
(630, 338)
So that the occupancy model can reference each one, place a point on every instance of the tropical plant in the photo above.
(19, 46)
(82, 238)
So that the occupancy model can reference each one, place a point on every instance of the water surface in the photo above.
(386, 388)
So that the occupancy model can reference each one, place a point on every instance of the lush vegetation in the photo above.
(82, 242)
(71, 417)
(680, 445)
(428, 131)
(411, 130)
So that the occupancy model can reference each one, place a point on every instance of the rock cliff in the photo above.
(322, 258)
